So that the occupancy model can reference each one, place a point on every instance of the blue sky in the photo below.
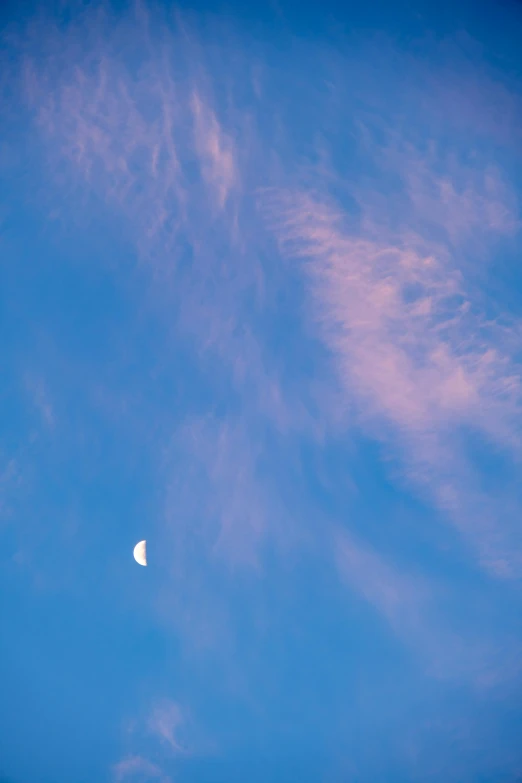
(261, 305)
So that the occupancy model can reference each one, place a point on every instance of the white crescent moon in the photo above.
(140, 553)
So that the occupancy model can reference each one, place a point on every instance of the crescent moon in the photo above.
(140, 553)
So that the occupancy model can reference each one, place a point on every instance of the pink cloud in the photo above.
(137, 768)
(397, 320)
(416, 360)
(411, 605)
(401, 599)
(215, 149)
(453, 199)
(119, 136)
(167, 722)
(218, 455)
(125, 134)
(461, 199)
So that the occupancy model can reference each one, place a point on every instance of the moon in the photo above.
(140, 553)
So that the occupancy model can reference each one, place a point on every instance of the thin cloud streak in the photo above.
(215, 149)
(167, 722)
(400, 599)
(411, 605)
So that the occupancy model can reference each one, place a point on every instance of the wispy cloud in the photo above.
(218, 459)
(462, 199)
(211, 472)
(417, 360)
(215, 150)
(141, 131)
(39, 393)
(413, 605)
(121, 118)
(137, 768)
(399, 598)
(119, 133)
(10, 478)
(167, 722)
